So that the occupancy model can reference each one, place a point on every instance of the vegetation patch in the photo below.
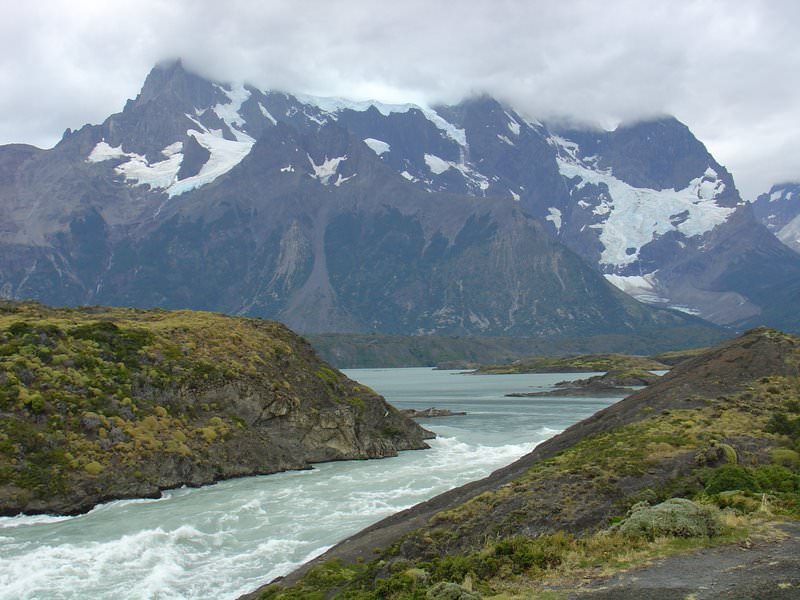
(677, 517)
(576, 364)
(96, 399)
(517, 563)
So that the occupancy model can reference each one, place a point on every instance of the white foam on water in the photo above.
(23, 520)
(224, 540)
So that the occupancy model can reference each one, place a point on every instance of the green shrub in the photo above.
(786, 457)
(675, 517)
(544, 553)
(93, 468)
(729, 452)
(775, 478)
(743, 502)
(731, 477)
(450, 591)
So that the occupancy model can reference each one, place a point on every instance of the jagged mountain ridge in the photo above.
(779, 211)
(114, 214)
(277, 237)
(702, 249)
(646, 203)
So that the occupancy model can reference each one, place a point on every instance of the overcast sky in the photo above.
(729, 69)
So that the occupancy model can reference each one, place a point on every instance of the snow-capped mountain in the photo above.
(218, 197)
(779, 211)
(361, 216)
(657, 214)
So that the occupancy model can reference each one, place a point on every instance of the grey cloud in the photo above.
(727, 69)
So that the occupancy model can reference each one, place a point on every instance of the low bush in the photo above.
(676, 517)
(450, 591)
(776, 478)
(731, 477)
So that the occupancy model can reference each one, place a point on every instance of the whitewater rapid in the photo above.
(224, 540)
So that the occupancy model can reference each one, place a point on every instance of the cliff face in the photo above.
(731, 409)
(98, 404)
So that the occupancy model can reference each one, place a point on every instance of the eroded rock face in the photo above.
(100, 404)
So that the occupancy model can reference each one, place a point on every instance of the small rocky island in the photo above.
(582, 363)
(428, 413)
(614, 383)
(100, 403)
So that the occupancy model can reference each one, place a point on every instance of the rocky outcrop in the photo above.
(98, 404)
(428, 413)
(779, 211)
(613, 383)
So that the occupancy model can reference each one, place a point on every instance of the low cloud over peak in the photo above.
(726, 69)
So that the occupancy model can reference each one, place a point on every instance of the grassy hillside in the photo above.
(721, 433)
(102, 403)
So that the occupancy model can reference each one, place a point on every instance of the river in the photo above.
(227, 539)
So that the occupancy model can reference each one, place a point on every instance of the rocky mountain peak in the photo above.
(171, 81)
(779, 211)
(657, 154)
(646, 205)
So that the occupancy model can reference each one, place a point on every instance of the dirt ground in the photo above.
(764, 570)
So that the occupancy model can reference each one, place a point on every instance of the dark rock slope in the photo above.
(663, 441)
(98, 404)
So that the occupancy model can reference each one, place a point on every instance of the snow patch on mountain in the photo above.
(436, 164)
(267, 114)
(512, 124)
(327, 169)
(224, 155)
(103, 151)
(505, 140)
(229, 112)
(137, 168)
(641, 287)
(333, 105)
(377, 146)
(554, 217)
(632, 217)
(790, 233)
(340, 180)
(158, 175)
